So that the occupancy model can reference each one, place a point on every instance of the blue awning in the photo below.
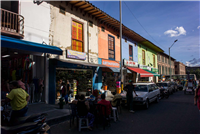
(9, 42)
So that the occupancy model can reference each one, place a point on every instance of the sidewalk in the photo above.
(55, 115)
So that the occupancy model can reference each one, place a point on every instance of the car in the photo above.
(147, 93)
(165, 85)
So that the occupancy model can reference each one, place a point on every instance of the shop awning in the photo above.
(142, 72)
(114, 69)
(154, 74)
(9, 42)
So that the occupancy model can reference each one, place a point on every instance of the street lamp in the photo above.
(170, 59)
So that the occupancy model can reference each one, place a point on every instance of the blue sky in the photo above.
(165, 21)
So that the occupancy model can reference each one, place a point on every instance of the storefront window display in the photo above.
(109, 80)
(80, 80)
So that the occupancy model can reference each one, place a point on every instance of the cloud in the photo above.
(193, 62)
(176, 32)
(198, 27)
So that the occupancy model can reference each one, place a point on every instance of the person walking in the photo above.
(197, 97)
(130, 89)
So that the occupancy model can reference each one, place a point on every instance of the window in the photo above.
(166, 60)
(62, 10)
(175, 66)
(102, 29)
(90, 23)
(169, 70)
(158, 57)
(154, 61)
(125, 40)
(162, 59)
(111, 48)
(117, 36)
(159, 71)
(163, 71)
(143, 57)
(131, 52)
(77, 36)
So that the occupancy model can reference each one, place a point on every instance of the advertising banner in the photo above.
(130, 63)
(76, 55)
(110, 63)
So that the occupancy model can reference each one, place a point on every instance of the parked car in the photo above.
(174, 86)
(147, 93)
(165, 85)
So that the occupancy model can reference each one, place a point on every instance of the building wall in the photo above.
(125, 49)
(179, 68)
(36, 29)
(61, 31)
(165, 64)
(103, 42)
(148, 56)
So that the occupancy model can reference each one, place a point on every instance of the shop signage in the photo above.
(130, 63)
(76, 55)
(154, 69)
(110, 63)
(145, 67)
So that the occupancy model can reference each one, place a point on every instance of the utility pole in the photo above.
(120, 4)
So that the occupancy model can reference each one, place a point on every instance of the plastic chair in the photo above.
(115, 114)
(80, 123)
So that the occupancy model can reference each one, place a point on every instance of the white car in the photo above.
(147, 93)
(165, 85)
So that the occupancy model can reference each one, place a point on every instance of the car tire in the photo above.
(146, 104)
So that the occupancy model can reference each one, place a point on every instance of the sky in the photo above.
(162, 22)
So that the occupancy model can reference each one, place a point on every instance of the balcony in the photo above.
(12, 24)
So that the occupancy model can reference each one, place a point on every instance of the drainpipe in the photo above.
(88, 42)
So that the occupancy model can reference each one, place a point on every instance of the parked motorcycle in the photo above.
(164, 93)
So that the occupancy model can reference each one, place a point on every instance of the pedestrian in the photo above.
(75, 101)
(18, 99)
(64, 92)
(130, 89)
(20, 83)
(83, 108)
(5, 88)
(197, 97)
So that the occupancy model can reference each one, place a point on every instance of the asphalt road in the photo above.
(175, 115)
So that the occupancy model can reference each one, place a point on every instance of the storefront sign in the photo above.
(76, 55)
(154, 69)
(130, 63)
(110, 63)
(145, 67)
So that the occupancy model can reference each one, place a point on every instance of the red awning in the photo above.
(142, 72)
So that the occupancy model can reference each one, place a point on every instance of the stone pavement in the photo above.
(55, 115)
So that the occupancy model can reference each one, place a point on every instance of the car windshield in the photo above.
(142, 88)
(162, 84)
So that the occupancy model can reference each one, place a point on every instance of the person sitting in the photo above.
(18, 99)
(76, 99)
(106, 103)
(83, 108)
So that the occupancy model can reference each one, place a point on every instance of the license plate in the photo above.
(189, 90)
(46, 128)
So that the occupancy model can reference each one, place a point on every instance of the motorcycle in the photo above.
(164, 93)
(24, 125)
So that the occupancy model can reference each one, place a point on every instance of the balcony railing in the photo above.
(12, 23)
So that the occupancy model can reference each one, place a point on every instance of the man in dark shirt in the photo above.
(107, 103)
(129, 96)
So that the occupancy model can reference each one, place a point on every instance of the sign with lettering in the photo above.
(110, 63)
(130, 63)
(76, 55)
(145, 67)
(154, 69)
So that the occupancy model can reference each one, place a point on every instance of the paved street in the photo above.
(176, 115)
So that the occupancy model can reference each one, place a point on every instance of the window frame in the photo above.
(83, 45)
(129, 52)
(144, 57)
(113, 46)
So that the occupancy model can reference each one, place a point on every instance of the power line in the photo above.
(141, 24)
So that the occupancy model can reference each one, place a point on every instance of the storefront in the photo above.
(130, 75)
(27, 61)
(151, 70)
(110, 75)
(80, 74)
